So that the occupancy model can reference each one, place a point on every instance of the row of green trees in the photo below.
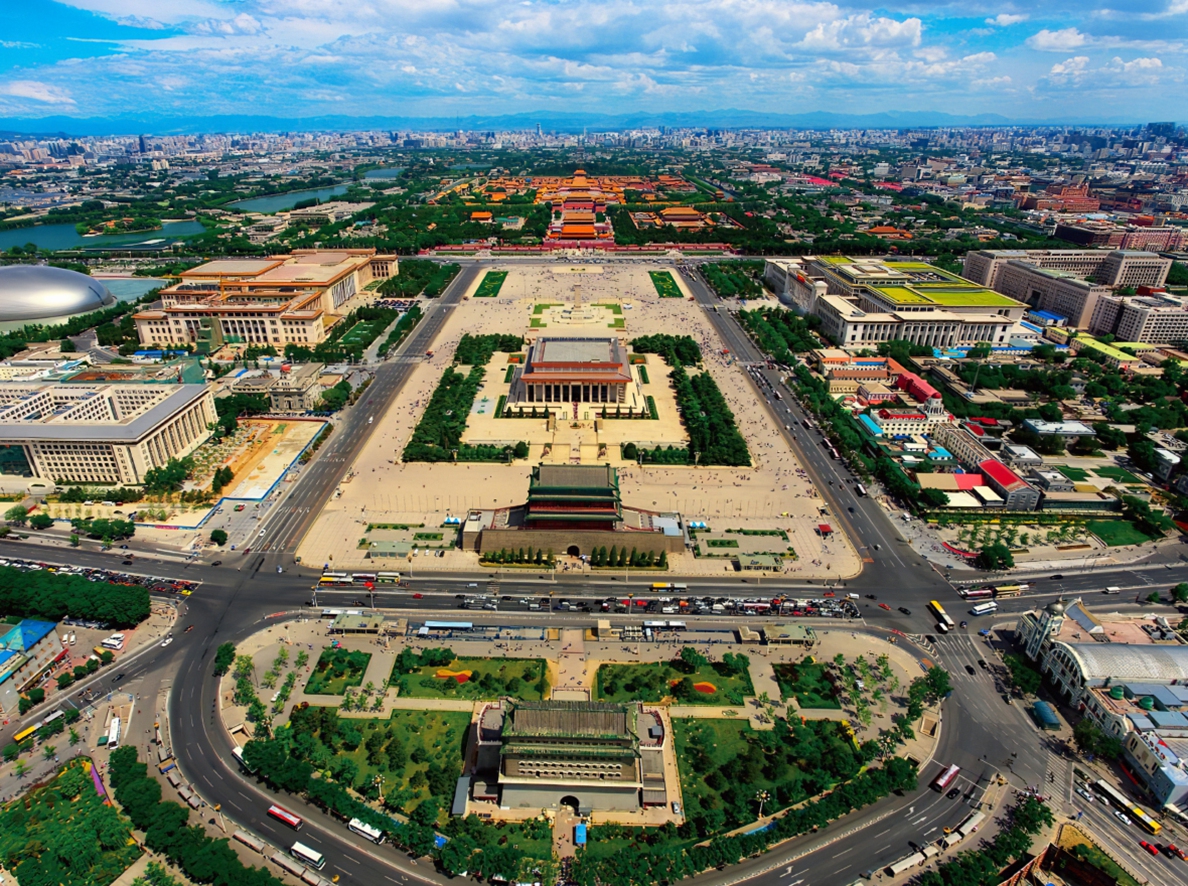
(476, 350)
(54, 596)
(620, 558)
(658, 455)
(201, 858)
(419, 277)
(735, 279)
(972, 868)
(681, 347)
(714, 438)
(403, 327)
(539, 557)
(781, 333)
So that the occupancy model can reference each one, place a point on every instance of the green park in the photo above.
(336, 671)
(690, 678)
(438, 673)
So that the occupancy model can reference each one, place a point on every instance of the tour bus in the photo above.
(362, 578)
(249, 841)
(113, 734)
(943, 621)
(387, 578)
(308, 857)
(860, 489)
(115, 641)
(285, 816)
(1010, 590)
(984, 608)
(237, 753)
(946, 778)
(1119, 801)
(24, 733)
(335, 580)
(978, 593)
(375, 835)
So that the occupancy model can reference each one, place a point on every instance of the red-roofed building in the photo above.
(1017, 494)
(893, 422)
(916, 387)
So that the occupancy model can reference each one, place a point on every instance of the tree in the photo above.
(224, 658)
(1091, 740)
(41, 521)
(1153, 597)
(994, 557)
(74, 540)
(630, 452)
(48, 751)
(16, 515)
(218, 537)
(1179, 593)
(521, 450)
(692, 659)
(933, 498)
(1023, 677)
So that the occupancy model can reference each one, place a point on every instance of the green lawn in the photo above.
(492, 283)
(807, 683)
(722, 543)
(65, 833)
(523, 678)
(1117, 532)
(418, 753)
(614, 307)
(666, 287)
(359, 332)
(654, 681)
(1120, 474)
(1077, 475)
(724, 763)
(337, 670)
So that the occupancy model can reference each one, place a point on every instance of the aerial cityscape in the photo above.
(561, 444)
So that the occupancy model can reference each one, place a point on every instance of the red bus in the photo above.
(978, 594)
(945, 779)
(284, 815)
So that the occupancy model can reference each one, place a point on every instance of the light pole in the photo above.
(762, 797)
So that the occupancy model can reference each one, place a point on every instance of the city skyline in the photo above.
(1059, 62)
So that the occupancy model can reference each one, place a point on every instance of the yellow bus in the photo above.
(943, 621)
(23, 734)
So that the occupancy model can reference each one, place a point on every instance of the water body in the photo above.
(287, 200)
(66, 237)
(386, 172)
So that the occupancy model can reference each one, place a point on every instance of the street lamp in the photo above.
(762, 797)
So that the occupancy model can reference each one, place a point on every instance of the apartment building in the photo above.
(100, 433)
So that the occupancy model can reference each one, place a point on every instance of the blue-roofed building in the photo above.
(27, 651)
(869, 426)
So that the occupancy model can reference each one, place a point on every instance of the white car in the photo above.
(1122, 817)
(166, 641)
(1084, 793)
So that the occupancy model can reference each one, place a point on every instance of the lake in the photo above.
(386, 172)
(289, 199)
(66, 237)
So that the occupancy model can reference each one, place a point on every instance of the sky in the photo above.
(1031, 61)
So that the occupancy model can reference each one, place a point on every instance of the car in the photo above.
(1122, 817)
(189, 628)
(217, 563)
(166, 641)
(117, 678)
(969, 669)
(239, 508)
(1150, 848)
(884, 606)
(261, 535)
(1171, 850)
(982, 664)
(126, 562)
(984, 632)
(851, 510)
(868, 597)
(418, 596)
(1006, 696)
(1084, 793)
(123, 547)
(954, 793)
(905, 610)
(930, 638)
(676, 808)
(1057, 576)
(965, 624)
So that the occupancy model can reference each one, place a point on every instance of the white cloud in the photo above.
(1006, 19)
(863, 31)
(37, 91)
(1057, 41)
(1071, 68)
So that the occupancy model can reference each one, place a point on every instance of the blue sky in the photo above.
(294, 58)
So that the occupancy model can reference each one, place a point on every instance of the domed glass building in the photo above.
(39, 292)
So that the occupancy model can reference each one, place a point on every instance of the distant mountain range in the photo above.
(550, 121)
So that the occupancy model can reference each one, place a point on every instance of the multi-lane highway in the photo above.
(980, 732)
